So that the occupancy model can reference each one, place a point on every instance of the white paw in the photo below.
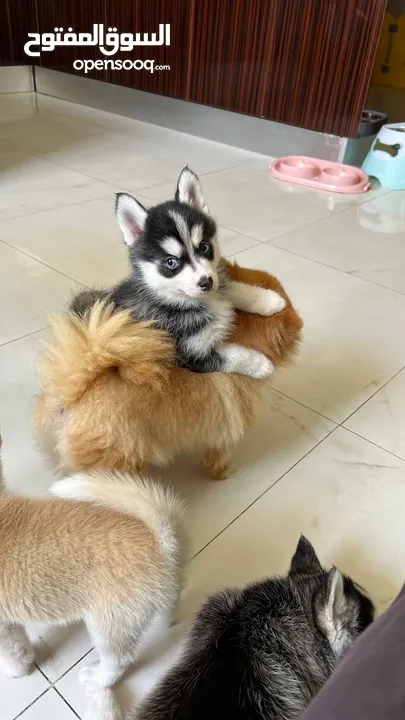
(15, 667)
(258, 365)
(90, 678)
(268, 303)
(238, 359)
(97, 676)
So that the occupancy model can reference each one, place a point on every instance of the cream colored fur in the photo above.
(107, 550)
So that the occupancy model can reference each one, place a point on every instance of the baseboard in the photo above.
(16, 79)
(236, 129)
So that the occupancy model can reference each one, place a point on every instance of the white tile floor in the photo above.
(328, 457)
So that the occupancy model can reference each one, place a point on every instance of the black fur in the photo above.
(178, 280)
(85, 299)
(135, 295)
(262, 653)
(159, 224)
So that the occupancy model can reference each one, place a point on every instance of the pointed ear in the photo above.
(189, 190)
(336, 601)
(305, 559)
(131, 216)
(332, 610)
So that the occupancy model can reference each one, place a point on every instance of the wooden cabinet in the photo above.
(302, 62)
(17, 18)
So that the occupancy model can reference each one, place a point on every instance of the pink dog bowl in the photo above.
(320, 174)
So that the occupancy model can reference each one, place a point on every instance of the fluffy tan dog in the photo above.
(106, 551)
(113, 399)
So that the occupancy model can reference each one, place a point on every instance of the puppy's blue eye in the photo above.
(171, 263)
(204, 248)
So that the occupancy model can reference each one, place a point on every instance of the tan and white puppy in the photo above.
(106, 550)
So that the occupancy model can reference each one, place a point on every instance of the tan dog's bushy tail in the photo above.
(103, 340)
(151, 502)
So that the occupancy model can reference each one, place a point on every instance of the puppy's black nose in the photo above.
(205, 283)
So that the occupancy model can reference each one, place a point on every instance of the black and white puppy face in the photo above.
(174, 244)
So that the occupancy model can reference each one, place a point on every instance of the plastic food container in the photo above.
(320, 174)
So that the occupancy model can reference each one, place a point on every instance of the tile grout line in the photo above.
(205, 174)
(21, 337)
(80, 172)
(380, 447)
(319, 262)
(130, 188)
(50, 688)
(337, 426)
(288, 232)
(79, 282)
(247, 163)
(52, 683)
(101, 197)
(263, 493)
(330, 267)
(301, 227)
(238, 232)
(41, 262)
(62, 697)
(43, 674)
(238, 252)
(32, 703)
(373, 395)
(58, 207)
(269, 241)
(307, 407)
(341, 424)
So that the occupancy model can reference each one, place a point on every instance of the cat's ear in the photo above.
(189, 190)
(305, 559)
(332, 610)
(131, 216)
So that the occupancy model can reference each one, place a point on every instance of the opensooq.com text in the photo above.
(88, 65)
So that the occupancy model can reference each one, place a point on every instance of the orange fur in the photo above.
(145, 357)
(277, 337)
(112, 398)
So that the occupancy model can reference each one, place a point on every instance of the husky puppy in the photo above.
(259, 653)
(179, 281)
